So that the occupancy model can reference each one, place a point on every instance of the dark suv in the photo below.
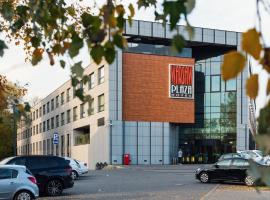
(53, 173)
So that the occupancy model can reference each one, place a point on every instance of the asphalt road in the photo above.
(139, 182)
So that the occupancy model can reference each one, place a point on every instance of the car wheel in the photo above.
(54, 187)
(249, 181)
(23, 195)
(204, 177)
(74, 175)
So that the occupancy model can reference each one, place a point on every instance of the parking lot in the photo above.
(138, 183)
(155, 183)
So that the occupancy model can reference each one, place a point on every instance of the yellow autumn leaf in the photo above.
(252, 86)
(234, 62)
(251, 43)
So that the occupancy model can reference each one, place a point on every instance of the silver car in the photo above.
(17, 183)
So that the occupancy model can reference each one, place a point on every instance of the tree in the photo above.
(56, 29)
(10, 100)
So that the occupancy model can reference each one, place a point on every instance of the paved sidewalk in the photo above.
(236, 192)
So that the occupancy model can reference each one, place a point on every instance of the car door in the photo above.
(238, 169)
(221, 168)
(7, 183)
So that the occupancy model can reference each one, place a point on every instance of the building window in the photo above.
(62, 119)
(101, 121)
(52, 123)
(231, 85)
(36, 114)
(52, 104)
(44, 109)
(75, 113)
(48, 107)
(215, 83)
(82, 111)
(57, 121)
(74, 92)
(91, 81)
(68, 94)
(91, 107)
(40, 127)
(48, 124)
(57, 101)
(81, 85)
(101, 75)
(62, 98)
(40, 112)
(101, 103)
(33, 115)
(68, 116)
(36, 129)
(44, 126)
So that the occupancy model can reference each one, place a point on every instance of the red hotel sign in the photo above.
(181, 81)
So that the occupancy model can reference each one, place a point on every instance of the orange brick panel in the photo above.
(146, 90)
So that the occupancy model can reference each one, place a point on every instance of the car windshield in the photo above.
(259, 152)
(5, 161)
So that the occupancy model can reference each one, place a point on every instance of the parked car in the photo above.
(231, 170)
(78, 168)
(229, 155)
(53, 173)
(16, 182)
(255, 155)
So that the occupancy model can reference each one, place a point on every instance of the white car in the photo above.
(78, 167)
(255, 155)
(17, 183)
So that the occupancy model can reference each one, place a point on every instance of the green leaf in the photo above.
(77, 69)
(17, 25)
(35, 41)
(6, 10)
(109, 52)
(3, 46)
(118, 40)
(75, 46)
(85, 79)
(62, 63)
(234, 62)
(146, 3)
(190, 4)
(79, 94)
(97, 52)
(174, 9)
(74, 81)
(132, 13)
(71, 11)
(178, 42)
(251, 43)
(22, 11)
(27, 107)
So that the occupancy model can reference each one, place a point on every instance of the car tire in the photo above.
(54, 187)
(23, 195)
(249, 181)
(74, 175)
(204, 177)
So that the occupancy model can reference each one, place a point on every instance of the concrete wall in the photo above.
(81, 153)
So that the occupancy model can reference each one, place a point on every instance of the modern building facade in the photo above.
(149, 103)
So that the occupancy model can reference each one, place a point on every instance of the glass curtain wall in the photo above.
(214, 131)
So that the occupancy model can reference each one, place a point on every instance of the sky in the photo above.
(232, 15)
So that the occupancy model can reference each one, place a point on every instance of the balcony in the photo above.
(82, 139)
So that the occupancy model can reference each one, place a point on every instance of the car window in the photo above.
(236, 156)
(5, 161)
(224, 163)
(8, 173)
(17, 161)
(240, 163)
(227, 156)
